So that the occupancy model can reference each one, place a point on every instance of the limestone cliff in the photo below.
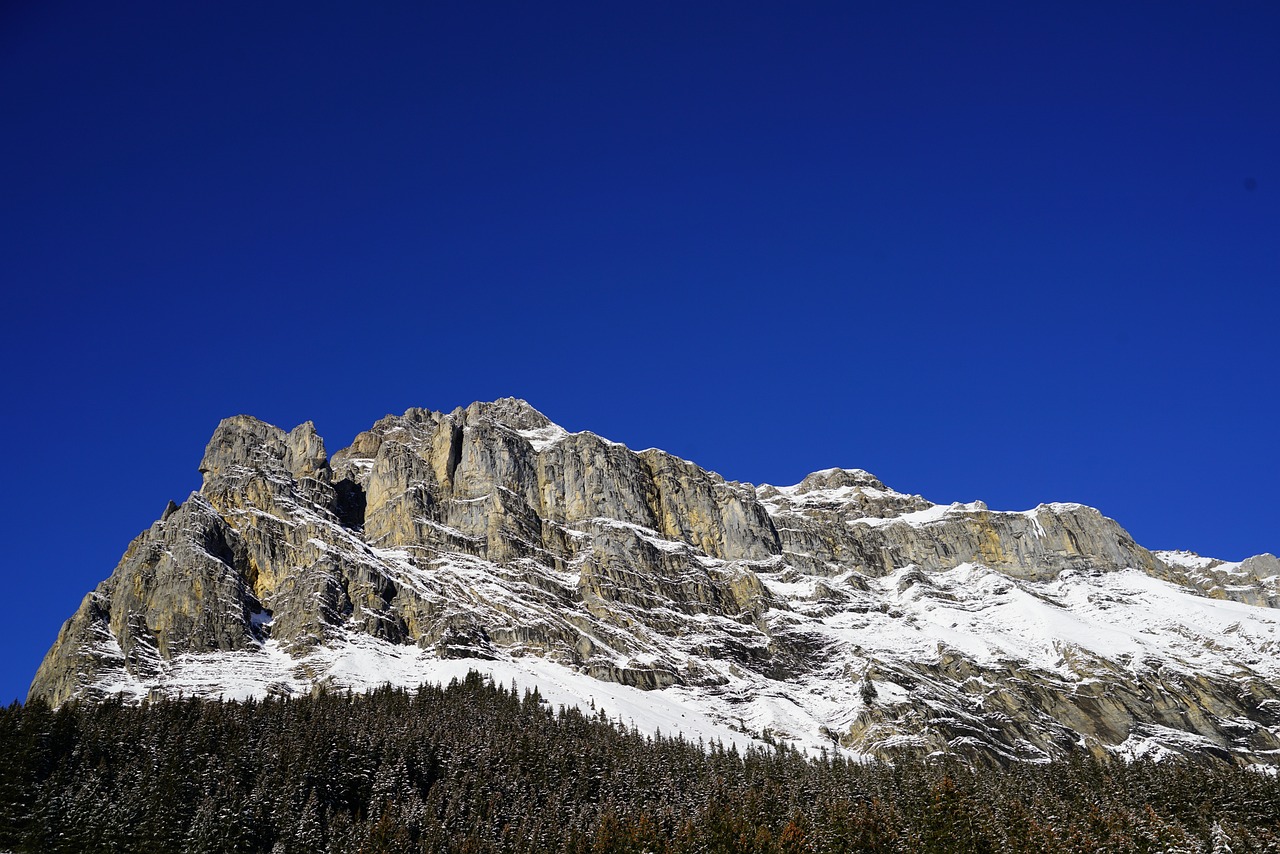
(837, 611)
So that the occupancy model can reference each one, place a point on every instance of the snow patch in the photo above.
(542, 438)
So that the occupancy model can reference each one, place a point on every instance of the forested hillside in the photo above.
(477, 767)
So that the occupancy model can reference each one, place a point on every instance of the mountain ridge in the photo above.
(835, 612)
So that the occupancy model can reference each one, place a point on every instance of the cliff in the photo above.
(835, 612)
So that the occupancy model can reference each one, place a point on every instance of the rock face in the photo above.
(836, 612)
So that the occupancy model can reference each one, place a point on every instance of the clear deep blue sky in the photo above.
(1020, 252)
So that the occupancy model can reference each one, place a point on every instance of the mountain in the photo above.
(834, 613)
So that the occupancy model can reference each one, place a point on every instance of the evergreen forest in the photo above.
(478, 767)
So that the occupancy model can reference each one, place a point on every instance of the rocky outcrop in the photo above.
(895, 626)
(1255, 580)
(835, 518)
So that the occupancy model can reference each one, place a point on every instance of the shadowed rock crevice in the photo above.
(455, 454)
(349, 503)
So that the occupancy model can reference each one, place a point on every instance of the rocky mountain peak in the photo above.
(490, 535)
(512, 411)
(244, 443)
(837, 478)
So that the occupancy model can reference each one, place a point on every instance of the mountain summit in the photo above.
(835, 613)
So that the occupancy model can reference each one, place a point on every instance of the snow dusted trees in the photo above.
(475, 767)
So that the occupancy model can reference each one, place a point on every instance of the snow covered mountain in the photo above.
(835, 613)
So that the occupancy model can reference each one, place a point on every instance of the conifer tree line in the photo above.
(479, 767)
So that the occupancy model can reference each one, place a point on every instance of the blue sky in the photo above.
(1009, 251)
